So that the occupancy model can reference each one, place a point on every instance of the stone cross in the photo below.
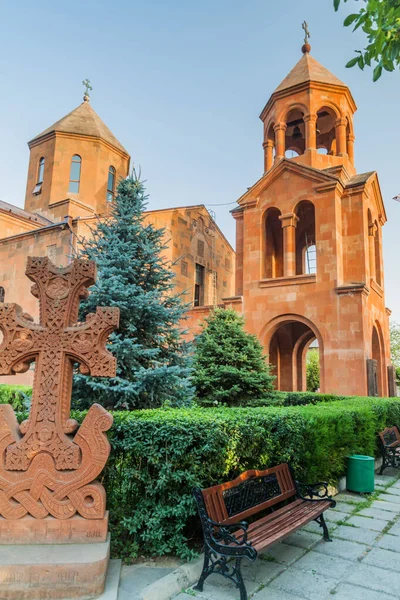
(55, 343)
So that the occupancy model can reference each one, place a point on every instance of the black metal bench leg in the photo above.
(205, 572)
(383, 467)
(321, 521)
(239, 579)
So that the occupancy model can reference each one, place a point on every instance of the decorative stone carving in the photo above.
(44, 468)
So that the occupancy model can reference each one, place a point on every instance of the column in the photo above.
(311, 132)
(268, 154)
(289, 224)
(340, 130)
(350, 146)
(371, 244)
(280, 131)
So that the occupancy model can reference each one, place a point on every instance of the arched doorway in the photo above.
(287, 341)
(377, 354)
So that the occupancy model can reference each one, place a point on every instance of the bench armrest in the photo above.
(219, 536)
(223, 536)
(314, 492)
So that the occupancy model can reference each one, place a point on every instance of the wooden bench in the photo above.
(390, 441)
(223, 507)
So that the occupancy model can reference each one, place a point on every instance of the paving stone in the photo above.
(330, 566)
(333, 516)
(375, 579)
(393, 491)
(376, 514)
(269, 593)
(283, 553)
(303, 539)
(387, 506)
(314, 527)
(390, 498)
(385, 559)
(389, 542)
(311, 585)
(345, 591)
(395, 530)
(342, 548)
(343, 507)
(261, 571)
(136, 577)
(183, 596)
(355, 534)
(349, 498)
(368, 523)
(217, 587)
(390, 475)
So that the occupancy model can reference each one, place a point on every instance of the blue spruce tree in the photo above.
(152, 358)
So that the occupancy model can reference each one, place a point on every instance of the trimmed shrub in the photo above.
(160, 455)
(17, 395)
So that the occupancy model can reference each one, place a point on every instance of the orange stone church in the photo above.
(308, 266)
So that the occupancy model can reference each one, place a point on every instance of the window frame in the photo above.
(110, 194)
(39, 177)
(75, 181)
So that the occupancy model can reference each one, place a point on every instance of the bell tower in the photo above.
(309, 118)
(309, 266)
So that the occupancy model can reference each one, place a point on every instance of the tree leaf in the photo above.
(336, 4)
(352, 62)
(377, 73)
(349, 19)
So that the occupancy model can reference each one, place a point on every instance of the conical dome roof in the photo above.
(308, 69)
(83, 120)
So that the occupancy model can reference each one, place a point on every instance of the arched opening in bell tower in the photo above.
(306, 250)
(273, 244)
(325, 130)
(295, 143)
(288, 342)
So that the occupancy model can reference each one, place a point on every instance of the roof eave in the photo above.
(305, 86)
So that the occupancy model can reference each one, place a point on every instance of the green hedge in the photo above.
(159, 455)
(16, 395)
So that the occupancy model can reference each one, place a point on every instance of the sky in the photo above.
(181, 84)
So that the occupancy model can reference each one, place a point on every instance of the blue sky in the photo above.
(181, 84)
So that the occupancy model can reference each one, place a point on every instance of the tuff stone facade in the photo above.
(308, 240)
(308, 263)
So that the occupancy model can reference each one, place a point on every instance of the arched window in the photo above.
(75, 174)
(273, 244)
(2, 294)
(39, 179)
(111, 184)
(306, 255)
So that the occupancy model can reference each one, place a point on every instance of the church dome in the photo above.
(84, 121)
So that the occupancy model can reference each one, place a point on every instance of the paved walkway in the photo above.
(362, 562)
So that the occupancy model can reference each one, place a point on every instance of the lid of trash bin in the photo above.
(361, 457)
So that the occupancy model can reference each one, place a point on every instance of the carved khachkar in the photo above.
(44, 468)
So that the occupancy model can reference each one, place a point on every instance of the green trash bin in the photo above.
(360, 473)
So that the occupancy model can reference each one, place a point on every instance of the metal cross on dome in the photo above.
(307, 34)
(54, 343)
(86, 83)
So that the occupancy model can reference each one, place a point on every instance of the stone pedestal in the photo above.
(49, 530)
(53, 571)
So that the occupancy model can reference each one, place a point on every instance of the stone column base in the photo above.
(53, 571)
